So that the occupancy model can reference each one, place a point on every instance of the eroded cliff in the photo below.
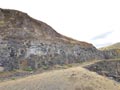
(26, 42)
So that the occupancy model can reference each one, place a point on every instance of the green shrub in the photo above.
(45, 67)
(28, 69)
(2, 22)
(13, 78)
(69, 65)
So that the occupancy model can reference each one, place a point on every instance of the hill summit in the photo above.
(26, 42)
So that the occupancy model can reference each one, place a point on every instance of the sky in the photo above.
(93, 21)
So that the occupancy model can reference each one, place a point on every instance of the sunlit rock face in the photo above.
(26, 42)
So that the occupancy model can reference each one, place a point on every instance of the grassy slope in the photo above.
(67, 79)
(114, 46)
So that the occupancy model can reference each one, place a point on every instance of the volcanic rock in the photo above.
(26, 42)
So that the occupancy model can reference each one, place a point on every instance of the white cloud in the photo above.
(79, 19)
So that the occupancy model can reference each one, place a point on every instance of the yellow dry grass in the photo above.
(114, 46)
(75, 78)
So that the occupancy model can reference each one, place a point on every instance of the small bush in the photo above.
(69, 65)
(45, 67)
(13, 78)
(2, 23)
(28, 69)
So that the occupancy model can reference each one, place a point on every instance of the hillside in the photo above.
(114, 46)
(66, 79)
(29, 43)
(112, 51)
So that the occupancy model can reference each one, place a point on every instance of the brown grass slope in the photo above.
(112, 51)
(66, 79)
(19, 25)
(114, 46)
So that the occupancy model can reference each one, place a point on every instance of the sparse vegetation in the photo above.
(2, 23)
(28, 69)
(114, 46)
(13, 78)
(69, 65)
(45, 67)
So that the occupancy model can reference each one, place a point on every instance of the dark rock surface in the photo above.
(109, 68)
(112, 53)
(26, 42)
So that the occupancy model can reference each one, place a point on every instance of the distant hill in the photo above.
(67, 79)
(114, 46)
(112, 51)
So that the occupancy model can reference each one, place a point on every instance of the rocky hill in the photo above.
(26, 42)
(112, 51)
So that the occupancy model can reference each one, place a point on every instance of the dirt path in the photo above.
(75, 78)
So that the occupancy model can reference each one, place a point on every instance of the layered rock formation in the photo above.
(108, 68)
(26, 42)
(112, 51)
(111, 54)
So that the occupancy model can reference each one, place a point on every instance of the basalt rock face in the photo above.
(111, 54)
(112, 51)
(26, 42)
(109, 68)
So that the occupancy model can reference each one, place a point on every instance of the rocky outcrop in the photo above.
(108, 68)
(112, 51)
(26, 42)
(111, 54)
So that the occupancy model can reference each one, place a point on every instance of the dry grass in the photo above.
(114, 46)
(67, 79)
(73, 41)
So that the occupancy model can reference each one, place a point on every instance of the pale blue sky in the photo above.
(102, 36)
(93, 21)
